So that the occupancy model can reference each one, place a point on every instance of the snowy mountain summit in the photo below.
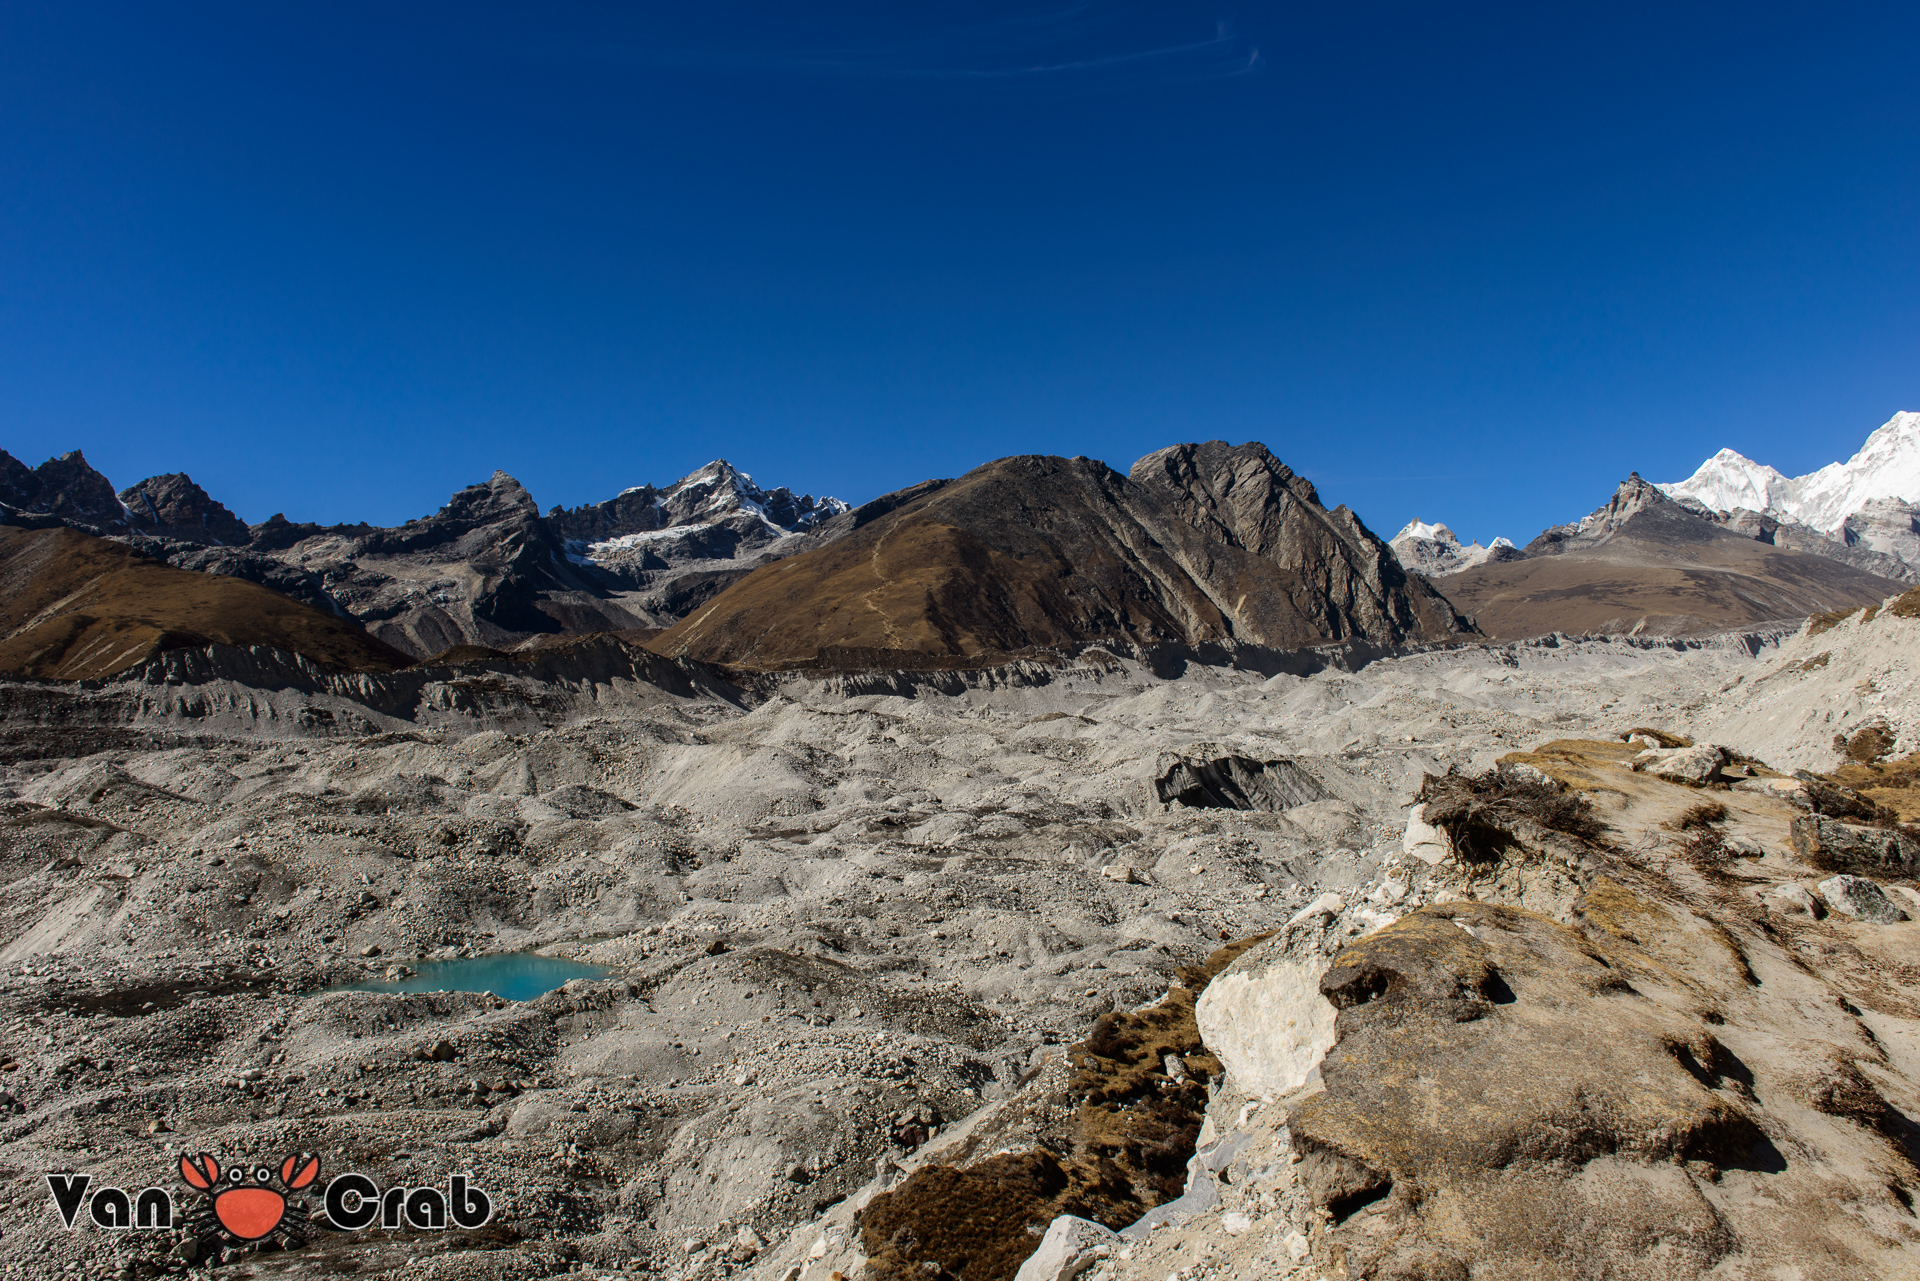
(1871, 501)
(1435, 550)
(715, 513)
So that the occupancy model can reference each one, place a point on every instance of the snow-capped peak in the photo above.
(1435, 550)
(1887, 466)
(1420, 529)
(1729, 480)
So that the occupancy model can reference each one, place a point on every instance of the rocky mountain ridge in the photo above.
(1644, 563)
(487, 569)
(1856, 513)
(1201, 542)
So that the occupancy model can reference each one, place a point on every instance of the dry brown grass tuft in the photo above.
(1828, 621)
(1705, 814)
(1905, 605)
(1706, 849)
(1125, 1151)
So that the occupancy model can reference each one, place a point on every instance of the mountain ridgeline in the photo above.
(1029, 556)
(1200, 543)
(1644, 563)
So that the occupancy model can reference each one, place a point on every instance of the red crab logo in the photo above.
(253, 1203)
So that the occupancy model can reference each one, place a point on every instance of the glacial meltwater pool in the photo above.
(518, 976)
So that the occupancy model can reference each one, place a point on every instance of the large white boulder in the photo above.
(1696, 766)
(1263, 1016)
(1071, 1246)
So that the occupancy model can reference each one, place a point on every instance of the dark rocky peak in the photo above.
(66, 488)
(18, 485)
(474, 516)
(1239, 493)
(172, 506)
(1348, 578)
(276, 533)
(1638, 509)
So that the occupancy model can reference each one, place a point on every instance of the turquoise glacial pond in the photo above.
(518, 976)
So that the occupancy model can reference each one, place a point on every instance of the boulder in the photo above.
(1263, 1016)
(1792, 899)
(1785, 788)
(1856, 896)
(1694, 766)
(1833, 846)
(1422, 839)
(1071, 1246)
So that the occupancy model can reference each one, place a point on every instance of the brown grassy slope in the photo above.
(1023, 553)
(1633, 584)
(75, 607)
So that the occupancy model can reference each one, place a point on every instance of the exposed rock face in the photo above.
(1202, 780)
(1858, 897)
(66, 488)
(1645, 564)
(716, 496)
(174, 507)
(1351, 584)
(1696, 766)
(1834, 846)
(1264, 1018)
(485, 569)
(1887, 526)
(1033, 553)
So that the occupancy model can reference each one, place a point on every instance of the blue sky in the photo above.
(1468, 263)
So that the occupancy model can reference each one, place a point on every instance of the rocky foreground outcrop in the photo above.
(1639, 1051)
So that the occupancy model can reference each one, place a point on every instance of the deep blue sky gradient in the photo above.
(1468, 263)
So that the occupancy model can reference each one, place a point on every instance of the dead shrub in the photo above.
(1706, 849)
(1481, 815)
(1705, 814)
(1871, 742)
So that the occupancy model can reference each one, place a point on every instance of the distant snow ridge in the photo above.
(1887, 467)
(1435, 550)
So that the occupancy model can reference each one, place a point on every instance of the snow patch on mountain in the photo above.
(1886, 467)
(1435, 550)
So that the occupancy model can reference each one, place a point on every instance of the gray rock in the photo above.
(1792, 899)
(1071, 1246)
(1696, 766)
(1857, 896)
(1833, 846)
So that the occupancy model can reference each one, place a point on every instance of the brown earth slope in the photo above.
(1204, 543)
(1644, 563)
(75, 607)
